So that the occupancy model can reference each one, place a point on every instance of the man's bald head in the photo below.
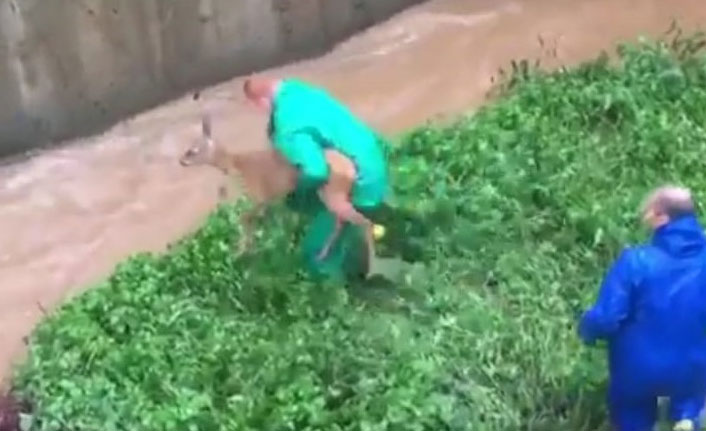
(667, 203)
(256, 88)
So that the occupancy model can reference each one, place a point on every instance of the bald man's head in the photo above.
(260, 91)
(667, 203)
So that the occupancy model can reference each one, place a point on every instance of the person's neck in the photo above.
(674, 219)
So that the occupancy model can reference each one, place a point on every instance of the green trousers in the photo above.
(347, 258)
(348, 255)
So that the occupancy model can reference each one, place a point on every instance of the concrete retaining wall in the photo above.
(73, 67)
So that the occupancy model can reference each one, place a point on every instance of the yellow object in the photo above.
(684, 425)
(378, 231)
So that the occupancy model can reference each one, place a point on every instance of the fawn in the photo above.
(280, 179)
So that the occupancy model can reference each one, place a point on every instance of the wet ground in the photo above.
(67, 216)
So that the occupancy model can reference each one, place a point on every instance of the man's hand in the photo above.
(584, 332)
(613, 304)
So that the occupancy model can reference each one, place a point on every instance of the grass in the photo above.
(521, 208)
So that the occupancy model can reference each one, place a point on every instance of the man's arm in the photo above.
(302, 151)
(613, 304)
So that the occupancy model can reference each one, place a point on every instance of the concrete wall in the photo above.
(73, 67)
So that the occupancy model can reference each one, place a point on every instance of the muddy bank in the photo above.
(74, 67)
(68, 215)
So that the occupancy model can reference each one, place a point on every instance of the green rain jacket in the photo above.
(306, 120)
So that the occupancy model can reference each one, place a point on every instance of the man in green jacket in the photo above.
(304, 120)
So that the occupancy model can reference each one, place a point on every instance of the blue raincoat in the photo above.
(652, 311)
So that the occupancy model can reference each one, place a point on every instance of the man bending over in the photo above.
(303, 121)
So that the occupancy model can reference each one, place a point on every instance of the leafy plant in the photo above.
(519, 208)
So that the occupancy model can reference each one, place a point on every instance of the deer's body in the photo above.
(267, 176)
(255, 171)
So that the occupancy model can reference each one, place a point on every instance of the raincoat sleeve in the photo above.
(302, 151)
(613, 304)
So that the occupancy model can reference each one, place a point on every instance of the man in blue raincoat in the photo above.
(305, 120)
(651, 309)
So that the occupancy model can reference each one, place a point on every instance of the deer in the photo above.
(280, 181)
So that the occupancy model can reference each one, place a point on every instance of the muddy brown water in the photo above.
(68, 215)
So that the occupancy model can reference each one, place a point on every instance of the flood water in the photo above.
(67, 216)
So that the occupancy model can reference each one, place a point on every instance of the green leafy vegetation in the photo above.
(521, 206)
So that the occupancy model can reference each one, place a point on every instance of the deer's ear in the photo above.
(206, 125)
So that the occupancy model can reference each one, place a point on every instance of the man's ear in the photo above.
(662, 219)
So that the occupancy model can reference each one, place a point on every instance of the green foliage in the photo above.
(520, 208)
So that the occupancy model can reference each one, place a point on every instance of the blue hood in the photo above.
(681, 237)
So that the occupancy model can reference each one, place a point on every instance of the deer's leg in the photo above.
(344, 211)
(327, 194)
(330, 240)
(247, 221)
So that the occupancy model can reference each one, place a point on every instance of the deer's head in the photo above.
(203, 149)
